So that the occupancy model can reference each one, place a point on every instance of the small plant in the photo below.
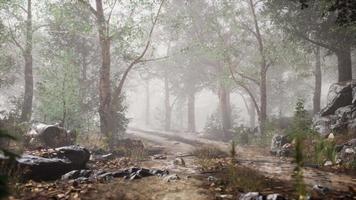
(300, 129)
(324, 150)
(243, 178)
(209, 152)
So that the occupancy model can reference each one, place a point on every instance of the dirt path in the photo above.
(189, 187)
(270, 166)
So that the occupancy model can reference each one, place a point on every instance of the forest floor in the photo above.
(266, 174)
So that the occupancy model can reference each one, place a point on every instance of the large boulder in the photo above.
(52, 136)
(59, 162)
(339, 95)
(77, 155)
(340, 112)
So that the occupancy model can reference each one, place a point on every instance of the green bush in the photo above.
(4, 191)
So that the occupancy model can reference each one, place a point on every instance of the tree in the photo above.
(110, 98)
(16, 9)
(317, 23)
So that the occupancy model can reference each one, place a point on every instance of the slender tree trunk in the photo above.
(344, 64)
(191, 112)
(28, 95)
(317, 90)
(225, 109)
(252, 113)
(147, 90)
(263, 92)
(105, 107)
(167, 104)
(263, 71)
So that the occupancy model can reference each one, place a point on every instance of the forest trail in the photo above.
(270, 166)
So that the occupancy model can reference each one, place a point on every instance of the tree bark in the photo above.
(147, 114)
(263, 71)
(191, 112)
(28, 95)
(317, 90)
(167, 104)
(225, 109)
(105, 109)
(252, 113)
(344, 64)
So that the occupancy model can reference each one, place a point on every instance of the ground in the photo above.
(274, 175)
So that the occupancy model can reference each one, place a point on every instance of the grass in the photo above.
(209, 152)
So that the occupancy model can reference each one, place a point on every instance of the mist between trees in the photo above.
(99, 66)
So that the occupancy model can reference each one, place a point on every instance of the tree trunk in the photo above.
(191, 112)
(105, 107)
(263, 71)
(263, 107)
(225, 109)
(28, 95)
(147, 90)
(344, 64)
(252, 113)
(167, 104)
(317, 90)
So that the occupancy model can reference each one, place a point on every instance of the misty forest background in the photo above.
(174, 65)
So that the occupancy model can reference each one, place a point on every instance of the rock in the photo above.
(275, 197)
(38, 168)
(179, 161)
(339, 95)
(277, 143)
(76, 174)
(173, 177)
(56, 164)
(323, 124)
(159, 157)
(158, 172)
(258, 196)
(211, 178)
(331, 136)
(224, 196)
(328, 163)
(78, 155)
(319, 192)
(52, 136)
(251, 196)
(347, 152)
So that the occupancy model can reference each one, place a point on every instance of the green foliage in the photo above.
(4, 135)
(300, 129)
(324, 150)
(58, 92)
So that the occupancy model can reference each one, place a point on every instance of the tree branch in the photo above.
(118, 90)
(248, 78)
(90, 7)
(239, 83)
(110, 13)
(16, 42)
(153, 59)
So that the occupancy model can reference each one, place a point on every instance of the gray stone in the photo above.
(251, 196)
(277, 143)
(275, 197)
(339, 95)
(173, 177)
(78, 155)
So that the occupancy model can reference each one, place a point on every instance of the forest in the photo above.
(177, 99)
